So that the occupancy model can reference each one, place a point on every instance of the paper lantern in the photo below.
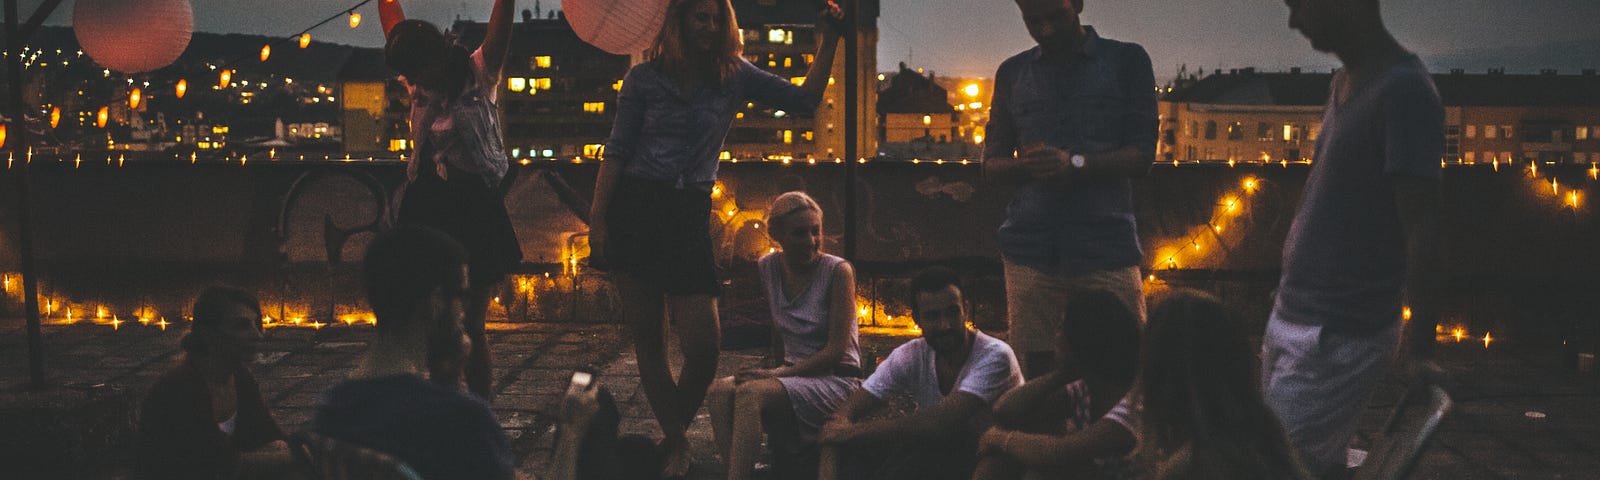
(133, 37)
(622, 27)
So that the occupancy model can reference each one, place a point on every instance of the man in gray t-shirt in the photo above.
(1352, 258)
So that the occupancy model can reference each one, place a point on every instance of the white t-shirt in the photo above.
(990, 370)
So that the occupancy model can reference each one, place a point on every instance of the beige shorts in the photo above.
(1036, 301)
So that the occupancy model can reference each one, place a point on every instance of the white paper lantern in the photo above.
(622, 27)
(133, 36)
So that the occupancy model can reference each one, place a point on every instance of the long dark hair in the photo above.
(414, 47)
(209, 310)
(1203, 413)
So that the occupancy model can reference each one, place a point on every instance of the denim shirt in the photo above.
(1099, 100)
(664, 134)
(463, 132)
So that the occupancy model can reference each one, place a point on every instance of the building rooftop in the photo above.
(911, 92)
(1248, 87)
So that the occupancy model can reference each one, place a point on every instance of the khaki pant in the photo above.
(1036, 301)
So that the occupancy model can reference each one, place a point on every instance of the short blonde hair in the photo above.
(787, 203)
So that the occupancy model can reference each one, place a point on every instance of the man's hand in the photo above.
(1044, 162)
(838, 430)
(992, 441)
(749, 374)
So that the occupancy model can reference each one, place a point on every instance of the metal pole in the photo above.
(852, 119)
(19, 137)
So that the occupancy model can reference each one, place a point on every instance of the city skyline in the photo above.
(1214, 34)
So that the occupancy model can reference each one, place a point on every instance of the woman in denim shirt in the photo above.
(650, 220)
(454, 174)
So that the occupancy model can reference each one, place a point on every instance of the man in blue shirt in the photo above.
(1072, 120)
(1358, 248)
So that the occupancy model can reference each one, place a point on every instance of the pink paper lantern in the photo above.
(622, 27)
(133, 36)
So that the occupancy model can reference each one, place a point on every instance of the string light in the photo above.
(305, 40)
(102, 117)
(181, 88)
(135, 97)
(225, 78)
(355, 19)
(55, 118)
(266, 52)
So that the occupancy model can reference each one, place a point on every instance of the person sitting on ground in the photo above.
(416, 282)
(1203, 415)
(951, 375)
(205, 418)
(813, 301)
(1097, 355)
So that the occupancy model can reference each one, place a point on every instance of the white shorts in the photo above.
(1318, 383)
(1037, 301)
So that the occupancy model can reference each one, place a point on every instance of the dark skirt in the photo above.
(471, 212)
(661, 235)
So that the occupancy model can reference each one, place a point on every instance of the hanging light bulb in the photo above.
(55, 116)
(266, 51)
(355, 19)
(305, 40)
(103, 117)
(135, 98)
(183, 86)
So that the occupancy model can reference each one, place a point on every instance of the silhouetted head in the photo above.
(939, 310)
(416, 282)
(1332, 25)
(421, 52)
(1099, 335)
(227, 326)
(1052, 23)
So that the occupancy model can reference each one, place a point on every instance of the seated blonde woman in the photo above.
(812, 295)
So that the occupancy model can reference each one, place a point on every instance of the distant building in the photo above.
(780, 36)
(558, 94)
(971, 98)
(1246, 116)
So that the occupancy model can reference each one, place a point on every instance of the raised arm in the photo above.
(778, 92)
(498, 38)
(841, 316)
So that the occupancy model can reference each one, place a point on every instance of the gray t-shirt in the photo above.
(1344, 259)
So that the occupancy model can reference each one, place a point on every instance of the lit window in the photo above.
(1489, 131)
(788, 62)
(788, 136)
(798, 81)
(397, 145)
(1472, 131)
(775, 35)
(516, 84)
(1471, 158)
(1288, 132)
(809, 136)
(725, 156)
(594, 107)
(1505, 130)
(540, 83)
(593, 150)
(617, 86)
(542, 61)
(548, 153)
(1581, 134)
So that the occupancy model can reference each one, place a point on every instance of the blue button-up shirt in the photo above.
(667, 135)
(1098, 100)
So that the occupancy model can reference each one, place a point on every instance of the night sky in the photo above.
(971, 37)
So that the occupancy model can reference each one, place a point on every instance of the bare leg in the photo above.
(755, 399)
(719, 402)
(477, 367)
(643, 309)
(700, 338)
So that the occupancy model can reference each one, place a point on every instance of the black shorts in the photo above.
(661, 235)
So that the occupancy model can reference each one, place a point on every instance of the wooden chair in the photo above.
(1405, 435)
(324, 458)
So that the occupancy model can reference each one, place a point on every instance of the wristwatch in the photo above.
(1077, 161)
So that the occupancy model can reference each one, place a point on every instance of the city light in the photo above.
(971, 90)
